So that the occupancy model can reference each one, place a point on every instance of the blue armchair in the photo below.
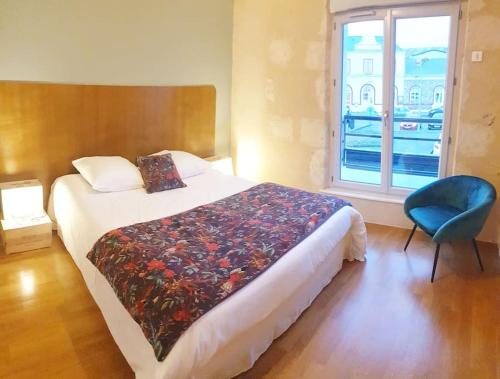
(449, 209)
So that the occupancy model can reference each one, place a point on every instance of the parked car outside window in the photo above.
(437, 114)
(404, 125)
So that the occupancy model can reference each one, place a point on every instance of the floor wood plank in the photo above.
(378, 319)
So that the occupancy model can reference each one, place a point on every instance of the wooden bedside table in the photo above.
(27, 235)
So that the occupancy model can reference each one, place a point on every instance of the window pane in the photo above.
(362, 57)
(421, 62)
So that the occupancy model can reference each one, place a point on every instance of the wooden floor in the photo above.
(378, 319)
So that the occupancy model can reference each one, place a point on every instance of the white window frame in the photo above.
(389, 16)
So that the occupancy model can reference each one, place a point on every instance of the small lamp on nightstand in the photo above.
(24, 225)
(22, 200)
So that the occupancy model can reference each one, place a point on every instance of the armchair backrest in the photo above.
(479, 193)
(464, 192)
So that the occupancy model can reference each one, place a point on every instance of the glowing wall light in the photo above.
(22, 200)
(248, 161)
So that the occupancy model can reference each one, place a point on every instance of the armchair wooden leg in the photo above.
(436, 256)
(411, 236)
(477, 253)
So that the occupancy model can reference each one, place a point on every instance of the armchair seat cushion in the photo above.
(432, 217)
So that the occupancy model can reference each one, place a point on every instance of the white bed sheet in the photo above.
(228, 339)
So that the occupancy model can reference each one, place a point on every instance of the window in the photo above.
(348, 95)
(391, 141)
(368, 94)
(415, 93)
(348, 64)
(368, 66)
(438, 96)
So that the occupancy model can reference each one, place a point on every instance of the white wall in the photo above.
(167, 42)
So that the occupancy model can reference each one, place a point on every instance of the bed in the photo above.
(217, 345)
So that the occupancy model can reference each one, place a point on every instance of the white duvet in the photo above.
(228, 339)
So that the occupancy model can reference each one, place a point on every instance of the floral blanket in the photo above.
(169, 272)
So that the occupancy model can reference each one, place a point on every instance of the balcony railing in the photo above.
(423, 164)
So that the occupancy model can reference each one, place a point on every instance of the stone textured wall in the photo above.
(279, 117)
(477, 147)
(280, 75)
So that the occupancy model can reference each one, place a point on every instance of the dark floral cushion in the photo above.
(159, 173)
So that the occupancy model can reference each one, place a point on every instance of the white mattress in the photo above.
(228, 339)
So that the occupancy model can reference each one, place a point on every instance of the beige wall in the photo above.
(278, 109)
(279, 122)
(170, 42)
(477, 151)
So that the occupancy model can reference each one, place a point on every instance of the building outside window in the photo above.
(348, 95)
(438, 96)
(406, 153)
(415, 93)
(368, 66)
(368, 94)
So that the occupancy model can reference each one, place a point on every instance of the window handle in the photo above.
(386, 117)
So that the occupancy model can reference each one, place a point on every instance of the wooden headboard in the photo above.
(43, 127)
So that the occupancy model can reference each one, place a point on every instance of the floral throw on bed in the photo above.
(169, 272)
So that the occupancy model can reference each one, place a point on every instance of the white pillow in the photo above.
(187, 164)
(109, 174)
